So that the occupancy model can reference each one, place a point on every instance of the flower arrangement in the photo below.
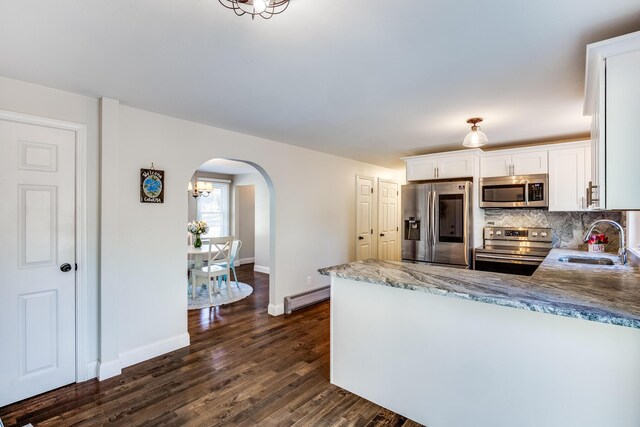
(596, 242)
(197, 228)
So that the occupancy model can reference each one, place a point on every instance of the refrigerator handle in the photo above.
(465, 220)
(428, 227)
(432, 215)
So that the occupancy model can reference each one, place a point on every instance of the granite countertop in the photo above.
(607, 294)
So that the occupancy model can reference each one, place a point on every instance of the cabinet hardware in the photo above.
(381, 234)
(590, 199)
(360, 238)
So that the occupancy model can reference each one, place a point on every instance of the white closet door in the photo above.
(388, 220)
(37, 234)
(364, 223)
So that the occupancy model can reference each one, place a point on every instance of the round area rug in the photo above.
(223, 297)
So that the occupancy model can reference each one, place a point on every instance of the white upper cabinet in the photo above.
(530, 162)
(441, 166)
(495, 165)
(421, 168)
(456, 166)
(622, 143)
(612, 98)
(514, 162)
(569, 174)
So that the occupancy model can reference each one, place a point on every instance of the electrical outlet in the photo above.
(308, 280)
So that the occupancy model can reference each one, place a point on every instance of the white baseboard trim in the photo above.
(261, 269)
(276, 309)
(150, 351)
(92, 370)
(242, 261)
(109, 369)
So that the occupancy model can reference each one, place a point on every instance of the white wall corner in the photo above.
(276, 309)
(110, 194)
(150, 351)
(92, 370)
(109, 369)
(261, 269)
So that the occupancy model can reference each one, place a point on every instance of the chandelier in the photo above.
(199, 188)
(263, 8)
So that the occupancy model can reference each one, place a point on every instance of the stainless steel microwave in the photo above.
(521, 191)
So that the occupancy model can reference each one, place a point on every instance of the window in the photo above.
(214, 209)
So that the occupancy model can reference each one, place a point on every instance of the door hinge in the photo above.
(397, 228)
(372, 231)
(76, 266)
(371, 190)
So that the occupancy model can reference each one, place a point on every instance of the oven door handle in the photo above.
(526, 193)
(507, 258)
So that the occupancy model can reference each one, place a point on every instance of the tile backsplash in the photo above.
(568, 227)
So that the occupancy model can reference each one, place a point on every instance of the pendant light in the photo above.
(475, 138)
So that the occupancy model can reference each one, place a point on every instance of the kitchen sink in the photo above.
(586, 260)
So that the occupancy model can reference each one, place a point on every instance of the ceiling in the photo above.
(226, 167)
(371, 80)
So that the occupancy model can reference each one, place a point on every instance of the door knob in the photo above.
(65, 267)
(360, 238)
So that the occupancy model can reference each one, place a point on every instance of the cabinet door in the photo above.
(567, 181)
(456, 167)
(422, 168)
(532, 162)
(622, 144)
(495, 165)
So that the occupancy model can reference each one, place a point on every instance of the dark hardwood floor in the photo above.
(243, 368)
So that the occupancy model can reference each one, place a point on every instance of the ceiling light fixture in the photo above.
(264, 8)
(475, 138)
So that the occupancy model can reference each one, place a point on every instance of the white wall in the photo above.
(312, 213)
(41, 101)
(262, 220)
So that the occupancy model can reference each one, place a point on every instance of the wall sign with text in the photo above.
(151, 186)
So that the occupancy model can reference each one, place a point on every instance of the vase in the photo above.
(197, 242)
(596, 247)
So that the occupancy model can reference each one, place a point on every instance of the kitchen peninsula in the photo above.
(451, 347)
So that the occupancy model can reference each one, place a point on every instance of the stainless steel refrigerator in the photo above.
(437, 222)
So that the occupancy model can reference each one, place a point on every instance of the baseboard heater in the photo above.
(305, 299)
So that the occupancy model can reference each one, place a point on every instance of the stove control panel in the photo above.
(518, 233)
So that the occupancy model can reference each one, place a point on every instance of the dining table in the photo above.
(198, 255)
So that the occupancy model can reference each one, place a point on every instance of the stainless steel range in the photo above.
(512, 250)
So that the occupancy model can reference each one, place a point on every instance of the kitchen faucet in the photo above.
(623, 250)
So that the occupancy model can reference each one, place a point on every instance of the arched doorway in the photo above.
(238, 173)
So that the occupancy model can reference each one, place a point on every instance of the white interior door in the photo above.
(364, 223)
(37, 231)
(388, 220)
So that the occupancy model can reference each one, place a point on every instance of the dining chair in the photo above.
(216, 269)
(235, 250)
